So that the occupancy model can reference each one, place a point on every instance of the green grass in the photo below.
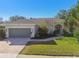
(66, 46)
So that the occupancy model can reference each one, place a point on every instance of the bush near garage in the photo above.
(42, 33)
(2, 33)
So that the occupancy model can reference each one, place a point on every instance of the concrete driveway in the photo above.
(17, 44)
(11, 47)
(18, 41)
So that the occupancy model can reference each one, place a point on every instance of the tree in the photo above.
(15, 18)
(71, 18)
(61, 14)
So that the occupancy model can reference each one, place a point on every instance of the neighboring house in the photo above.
(28, 28)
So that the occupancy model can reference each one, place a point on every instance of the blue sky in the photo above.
(33, 8)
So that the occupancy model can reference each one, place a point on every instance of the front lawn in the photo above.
(66, 46)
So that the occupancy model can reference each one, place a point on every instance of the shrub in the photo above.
(42, 32)
(67, 34)
(2, 33)
(56, 32)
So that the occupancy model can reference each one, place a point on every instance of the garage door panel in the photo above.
(19, 32)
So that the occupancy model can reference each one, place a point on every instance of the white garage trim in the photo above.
(31, 26)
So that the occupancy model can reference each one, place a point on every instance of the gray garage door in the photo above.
(19, 32)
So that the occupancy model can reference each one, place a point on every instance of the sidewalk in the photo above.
(40, 56)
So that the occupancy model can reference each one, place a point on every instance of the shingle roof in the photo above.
(47, 20)
(21, 22)
(36, 21)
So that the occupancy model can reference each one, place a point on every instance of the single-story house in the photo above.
(28, 28)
